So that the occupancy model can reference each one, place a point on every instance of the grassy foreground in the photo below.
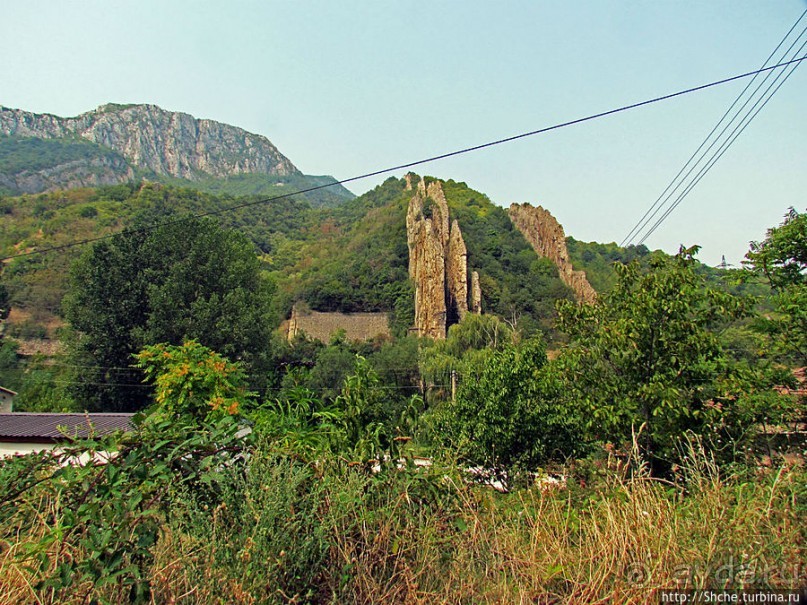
(283, 531)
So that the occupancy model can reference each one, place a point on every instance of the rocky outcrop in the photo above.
(164, 142)
(438, 261)
(545, 234)
(476, 294)
(104, 169)
(456, 274)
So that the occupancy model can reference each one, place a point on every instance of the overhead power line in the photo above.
(427, 160)
(672, 187)
(738, 130)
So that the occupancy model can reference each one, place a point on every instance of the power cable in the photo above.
(658, 202)
(665, 196)
(738, 130)
(434, 158)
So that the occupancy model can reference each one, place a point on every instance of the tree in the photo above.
(466, 348)
(782, 256)
(645, 358)
(5, 304)
(510, 416)
(189, 279)
(782, 259)
(192, 380)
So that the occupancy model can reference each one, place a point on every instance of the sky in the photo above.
(350, 87)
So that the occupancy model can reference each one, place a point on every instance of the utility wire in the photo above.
(661, 200)
(738, 130)
(638, 226)
(427, 160)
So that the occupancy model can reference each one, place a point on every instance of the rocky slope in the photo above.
(164, 142)
(545, 234)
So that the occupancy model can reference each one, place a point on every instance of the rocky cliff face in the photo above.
(545, 234)
(91, 172)
(438, 262)
(165, 142)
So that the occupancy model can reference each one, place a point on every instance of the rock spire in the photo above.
(438, 262)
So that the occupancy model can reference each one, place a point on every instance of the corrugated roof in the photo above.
(18, 426)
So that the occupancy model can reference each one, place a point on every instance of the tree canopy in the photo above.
(188, 279)
(646, 358)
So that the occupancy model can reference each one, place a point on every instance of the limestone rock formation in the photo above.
(476, 294)
(165, 142)
(545, 234)
(456, 275)
(438, 261)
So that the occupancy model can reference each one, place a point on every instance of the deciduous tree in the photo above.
(189, 279)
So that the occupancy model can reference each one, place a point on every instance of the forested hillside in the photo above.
(634, 419)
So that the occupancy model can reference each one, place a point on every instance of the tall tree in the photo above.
(510, 415)
(782, 259)
(189, 279)
(646, 357)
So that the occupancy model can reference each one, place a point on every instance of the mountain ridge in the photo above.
(165, 142)
(141, 141)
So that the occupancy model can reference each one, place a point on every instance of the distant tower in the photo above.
(723, 264)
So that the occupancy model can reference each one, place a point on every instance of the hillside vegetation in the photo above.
(659, 445)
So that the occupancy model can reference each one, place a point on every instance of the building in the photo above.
(6, 400)
(26, 432)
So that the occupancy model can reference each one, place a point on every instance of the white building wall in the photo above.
(13, 449)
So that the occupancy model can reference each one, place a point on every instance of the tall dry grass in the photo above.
(616, 546)
(401, 540)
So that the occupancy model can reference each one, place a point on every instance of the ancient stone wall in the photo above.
(322, 326)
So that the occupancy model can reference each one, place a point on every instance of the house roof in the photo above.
(21, 426)
(9, 391)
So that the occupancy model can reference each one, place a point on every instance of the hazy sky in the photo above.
(349, 87)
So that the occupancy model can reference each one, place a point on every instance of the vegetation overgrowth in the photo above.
(545, 451)
(24, 157)
(191, 508)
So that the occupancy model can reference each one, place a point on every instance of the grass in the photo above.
(286, 532)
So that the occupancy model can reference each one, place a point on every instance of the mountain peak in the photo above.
(166, 143)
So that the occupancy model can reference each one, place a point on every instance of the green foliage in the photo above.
(266, 185)
(509, 416)
(108, 514)
(466, 348)
(188, 279)
(363, 265)
(39, 283)
(5, 303)
(372, 419)
(9, 364)
(782, 260)
(646, 359)
(19, 155)
(782, 256)
(597, 260)
(516, 284)
(268, 530)
(299, 423)
(111, 493)
(193, 380)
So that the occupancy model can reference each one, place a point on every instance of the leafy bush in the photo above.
(509, 416)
